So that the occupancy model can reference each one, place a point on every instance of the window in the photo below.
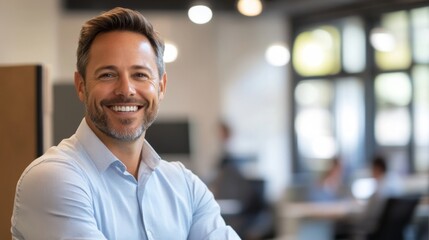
(314, 123)
(392, 118)
(421, 117)
(390, 41)
(361, 87)
(317, 51)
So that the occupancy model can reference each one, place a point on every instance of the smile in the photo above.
(124, 108)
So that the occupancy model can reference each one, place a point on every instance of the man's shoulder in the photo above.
(67, 148)
(166, 167)
(174, 172)
(178, 174)
(57, 161)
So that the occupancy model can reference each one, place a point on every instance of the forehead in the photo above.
(121, 47)
(122, 39)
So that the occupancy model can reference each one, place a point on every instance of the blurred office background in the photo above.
(302, 86)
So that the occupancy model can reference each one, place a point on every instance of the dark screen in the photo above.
(169, 137)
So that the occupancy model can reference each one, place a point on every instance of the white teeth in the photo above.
(124, 108)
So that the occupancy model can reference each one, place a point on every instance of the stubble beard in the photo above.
(101, 121)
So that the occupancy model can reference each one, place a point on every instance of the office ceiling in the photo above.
(288, 7)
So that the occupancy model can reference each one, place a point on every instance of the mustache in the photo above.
(122, 99)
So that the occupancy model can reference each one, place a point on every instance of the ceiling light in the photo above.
(277, 55)
(249, 8)
(170, 52)
(200, 14)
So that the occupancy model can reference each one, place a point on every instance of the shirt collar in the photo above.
(149, 156)
(102, 156)
(96, 150)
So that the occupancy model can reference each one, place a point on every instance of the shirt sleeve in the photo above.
(207, 223)
(53, 201)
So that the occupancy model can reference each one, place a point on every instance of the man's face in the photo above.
(122, 89)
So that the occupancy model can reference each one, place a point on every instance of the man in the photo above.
(106, 182)
(387, 186)
(365, 222)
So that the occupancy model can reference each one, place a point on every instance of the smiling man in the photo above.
(105, 181)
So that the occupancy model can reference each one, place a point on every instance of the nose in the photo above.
(125, 87)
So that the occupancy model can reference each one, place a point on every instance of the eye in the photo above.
(141, 76)
(106, 76)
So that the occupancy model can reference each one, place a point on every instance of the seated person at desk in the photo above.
(386, 187)
(330, 186)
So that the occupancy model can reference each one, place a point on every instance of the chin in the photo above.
(126, 134)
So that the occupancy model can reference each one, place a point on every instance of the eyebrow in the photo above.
(141, 67)
(110, 67)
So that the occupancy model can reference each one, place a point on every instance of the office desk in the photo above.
(313, 220)
(321, 210)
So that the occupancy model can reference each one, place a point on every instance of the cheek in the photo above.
(150, 91)
(91, 100)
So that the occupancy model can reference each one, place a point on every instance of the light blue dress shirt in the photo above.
(80, 190)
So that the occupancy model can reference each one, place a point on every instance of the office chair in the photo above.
(396, 216)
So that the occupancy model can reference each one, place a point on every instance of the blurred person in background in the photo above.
(241, 199)
(386, 185)
(330, 186)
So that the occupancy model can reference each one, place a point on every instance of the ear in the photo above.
(79, 84)
(162, 86)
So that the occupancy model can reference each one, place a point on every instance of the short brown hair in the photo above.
(379, 162)
(121, 19)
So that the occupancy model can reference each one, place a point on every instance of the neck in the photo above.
(128, 152)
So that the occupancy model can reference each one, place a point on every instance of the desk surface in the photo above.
(321, 210)
(313, 220)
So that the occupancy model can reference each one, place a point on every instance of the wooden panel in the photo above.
(20, 104)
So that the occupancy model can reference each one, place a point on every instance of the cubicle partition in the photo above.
(24, 129)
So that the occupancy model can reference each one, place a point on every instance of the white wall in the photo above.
(28, 32)
(220, 73)
(254, 95)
